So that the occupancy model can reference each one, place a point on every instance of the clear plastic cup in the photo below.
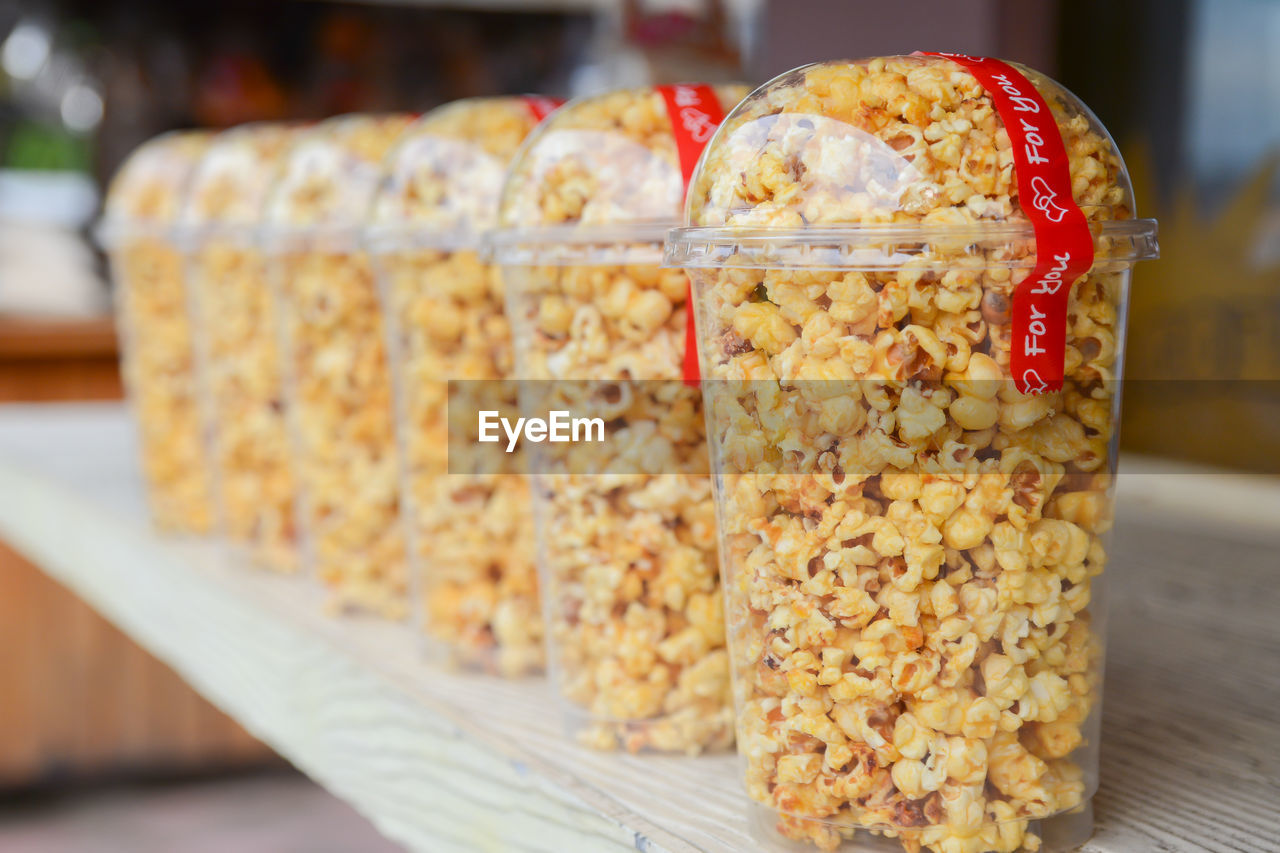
(470, 535)
(338, 387)
(154, 324)
(237, 341)
(913, 550)
(627, 560)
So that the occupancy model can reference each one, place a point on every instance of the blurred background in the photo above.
(98, 740)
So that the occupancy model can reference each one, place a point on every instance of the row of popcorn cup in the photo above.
(403, 298)
(912, 551)
(256, 346)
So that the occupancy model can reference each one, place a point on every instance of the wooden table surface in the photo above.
(448, 761)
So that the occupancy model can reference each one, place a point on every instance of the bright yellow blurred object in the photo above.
(1203, 365)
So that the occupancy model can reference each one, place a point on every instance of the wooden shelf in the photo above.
(447, 761)
(45, 359)
(35, 338)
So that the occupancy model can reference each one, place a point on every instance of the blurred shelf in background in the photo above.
(58, 359)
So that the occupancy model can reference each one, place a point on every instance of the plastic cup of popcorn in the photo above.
(333, 347)
(469, 524)
(913, 474)
(237, 341)
(626, 530)
(138, 232)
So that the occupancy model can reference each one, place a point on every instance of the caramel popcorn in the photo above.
(158, 358)
(911, 546)
(627, 543)
(335, 363)
(471, 535)
(238, 341)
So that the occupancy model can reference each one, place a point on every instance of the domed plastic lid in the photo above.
(147, 194)
(443, 180)
(598, 182)
(329, 179)
(231, 182)
(866, 163)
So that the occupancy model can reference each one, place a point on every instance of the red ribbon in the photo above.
(541, 106)
(695, 114)
(1064, 244)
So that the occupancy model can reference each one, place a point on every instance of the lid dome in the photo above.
(231, 182)
(149, 189)
(602, 160)
(331, 174)
(444, 177)
(858, 154)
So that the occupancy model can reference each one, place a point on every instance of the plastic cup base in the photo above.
(668, 735)
(1060, 833)
(480, 661)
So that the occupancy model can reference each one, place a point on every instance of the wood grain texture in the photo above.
(452, 761)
